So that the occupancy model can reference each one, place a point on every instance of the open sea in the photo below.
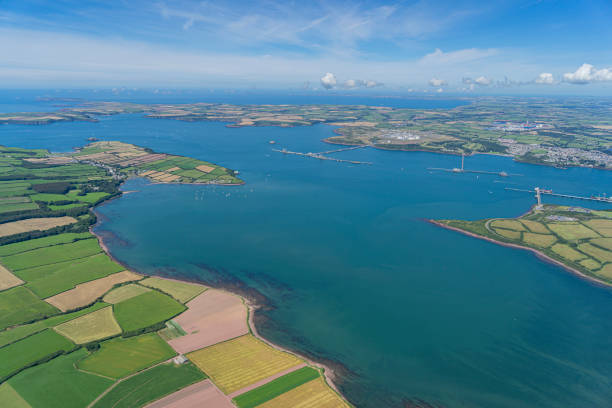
(348, 271)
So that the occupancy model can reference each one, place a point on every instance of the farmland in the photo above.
(276, 387)
(236, 363)
(76, 327)
(575, 237)
(58, 384)
(145, 310)
(119, 357)
(97, 325)
(150, 385)
(313, 394)
(181, 291)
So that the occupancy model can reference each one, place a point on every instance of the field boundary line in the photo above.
(117, 382)
(266, 380)
(55, 263)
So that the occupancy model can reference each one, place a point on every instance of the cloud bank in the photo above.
(586, 74)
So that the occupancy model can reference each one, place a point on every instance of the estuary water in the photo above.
(410, 314)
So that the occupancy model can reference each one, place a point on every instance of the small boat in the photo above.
(272, 142)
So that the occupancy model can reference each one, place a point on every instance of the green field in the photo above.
(18, 305)
(572, 231)
(19, 332)
(181, 291)
(150, 385)
(49, 280)
(145, 310)
(119, 357)
(276, 387)
(24, 246)
(124, 292)
(52, 254)
(28, 351)
(58, 384)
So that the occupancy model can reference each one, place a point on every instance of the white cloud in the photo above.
(587, 73)
(437, 82)
(483, 81)
(328, 80)
(439, 57)
(372, 84)
(545, 78)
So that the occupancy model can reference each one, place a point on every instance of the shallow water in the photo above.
(354, 274)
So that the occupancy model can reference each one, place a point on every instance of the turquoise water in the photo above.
(351, 273)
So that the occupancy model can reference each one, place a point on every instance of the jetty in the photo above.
(321, 155)
(463, 170)
(539, 192)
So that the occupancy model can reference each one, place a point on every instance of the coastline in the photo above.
(539, 254)
(328, 373)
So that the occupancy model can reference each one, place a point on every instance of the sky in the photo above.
(460, 46)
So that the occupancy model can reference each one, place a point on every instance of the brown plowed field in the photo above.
(202, 394)
(212, 317)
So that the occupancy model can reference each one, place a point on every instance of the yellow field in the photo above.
(600, 254)
(173, 169)
(124, 292)
(590, 264)
(536, 227)
(205, 169)
(604, 227)
(7, 279)
(181, 291)
(34, 224)
(508, 224)
(567, 252)
(86, 293)
(603, 242)
(541, 240)
(572, 231)
(508, 233)
(236, 363)
(606, 271)
(93, 326)
(313, 394)
(10, 398)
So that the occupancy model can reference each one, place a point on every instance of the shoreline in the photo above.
(537, 253)
(328, 373)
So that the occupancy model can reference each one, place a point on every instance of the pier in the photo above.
(463, 170)
(321, 155)
(540, 192)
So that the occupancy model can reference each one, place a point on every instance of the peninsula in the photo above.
(578, 239)
(78, 329)
(551, 131)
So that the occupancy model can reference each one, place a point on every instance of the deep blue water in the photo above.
(354, 275)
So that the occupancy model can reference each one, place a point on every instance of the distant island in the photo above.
(550, 131)
(79, 329)
(578, 239)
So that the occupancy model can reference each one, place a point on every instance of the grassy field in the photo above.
(535, 226)
(26, 352)
(90, 327)
(276, 387)
(506, 233)
(31, 244)
(603, 227)
(52, 254)
(145, 310)
(572, 231)
(181, 291)
(540, 240)
(508, 224)
(151, 385)
(10, 398)
(58, 384)
(172, 330)
(567, 252)
(19, 332)
(236, 363)
(49, 280)
(124, 292)
(120, 357)
(18, 305)
(601, 255)
(605, 243)
(313, 394)
(86, 293)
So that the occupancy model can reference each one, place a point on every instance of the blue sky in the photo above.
(436, 46)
